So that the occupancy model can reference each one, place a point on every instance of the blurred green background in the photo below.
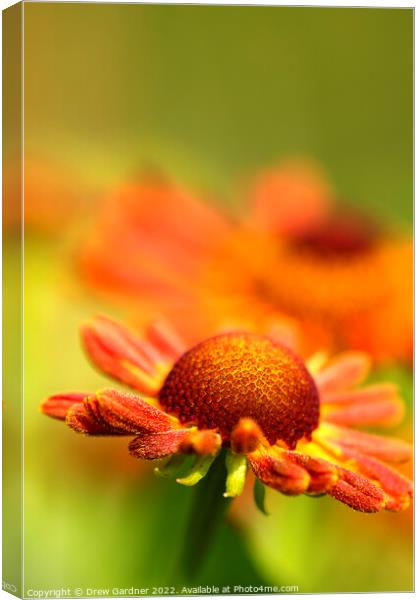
(208, 95)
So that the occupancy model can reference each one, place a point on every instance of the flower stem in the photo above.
(207, 511)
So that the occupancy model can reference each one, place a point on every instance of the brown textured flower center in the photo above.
(231, 376)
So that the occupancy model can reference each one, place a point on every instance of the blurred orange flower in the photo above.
(297, 258)
(52, 194)
(149, 246)
(326, 265)
(289, 422)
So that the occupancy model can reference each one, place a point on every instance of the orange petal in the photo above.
(385, 448)
(204, 442)
(369, 393)
(393, 483)
(58, 405)
(290, 199)
(81, 421)
(126, 412)
(398, 504)
(358, 492)
(120, 353)
(347, 370)
(145, 244)
(284, 331)
(163, 337)
(246, 436)
(280, 474)
(151, 446)
(383, 412)
(323, 473)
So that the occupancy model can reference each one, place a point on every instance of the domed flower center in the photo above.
(237, 375)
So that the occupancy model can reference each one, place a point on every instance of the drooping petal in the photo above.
(79, 419)
(398, 487)
(205, 442)
(58, 405)
(340, 439)
(395, 504)
(279, 473)
(120, 353)
(358, 492)
(347, 370)
(323, 474)
(152, 446)
(246, 436)
(127, 412)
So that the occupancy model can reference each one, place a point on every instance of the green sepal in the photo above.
(259, 496)
(199, 470)
(175, 466)
(236, 466)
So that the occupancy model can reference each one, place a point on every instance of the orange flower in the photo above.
(151, 241)
(325, 265)
(329, 276)
(53, 194)
(249, 396)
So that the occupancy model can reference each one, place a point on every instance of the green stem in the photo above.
(207, 511)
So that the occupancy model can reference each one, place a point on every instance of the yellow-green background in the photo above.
(209, 95)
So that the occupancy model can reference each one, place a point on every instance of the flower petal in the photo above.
(204, 442)
(279, 473)
(58, 405)
(385, 412)
(358, 492)
(290, 199)
(341, 439)
(145, 246)
(347, 370)
(127, 412)
(165, 339)
(246, 436)
(323, 474)
(370, 393)
(397, 486)
(284, 331)
(120, 353)
(81, 421)
(151, 446)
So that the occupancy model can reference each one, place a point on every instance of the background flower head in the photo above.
(327, 272)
